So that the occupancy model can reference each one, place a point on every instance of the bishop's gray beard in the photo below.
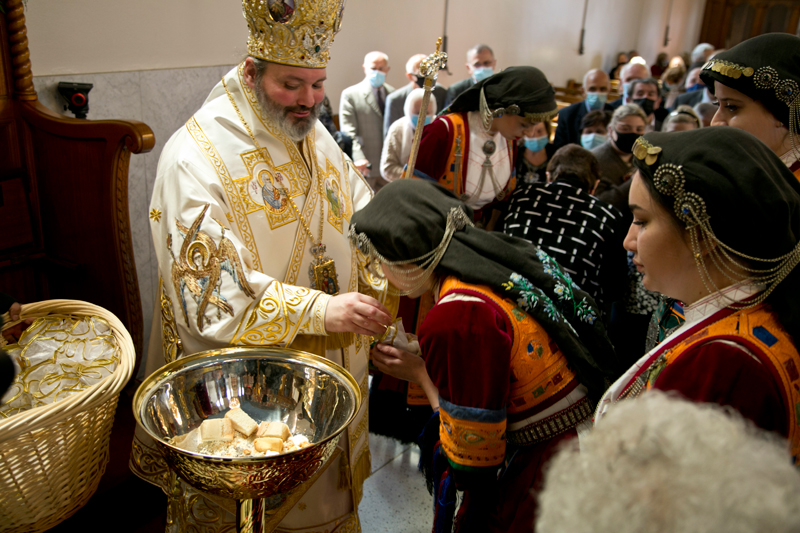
(295, 128)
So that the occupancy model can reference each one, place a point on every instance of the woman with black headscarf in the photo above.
(471, 148)
(515, 352)
(717, 226)
(757, 84)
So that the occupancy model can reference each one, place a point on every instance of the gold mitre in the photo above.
(298, 33)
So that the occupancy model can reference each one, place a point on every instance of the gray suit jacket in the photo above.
(395, 103)
(362, 119)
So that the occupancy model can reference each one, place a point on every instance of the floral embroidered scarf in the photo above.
(407, 219)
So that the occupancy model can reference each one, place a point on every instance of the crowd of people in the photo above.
(635, 210)
(549, 275)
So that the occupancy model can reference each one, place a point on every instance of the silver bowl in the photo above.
(314, 396)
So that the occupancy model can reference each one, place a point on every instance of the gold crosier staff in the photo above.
(428, 67)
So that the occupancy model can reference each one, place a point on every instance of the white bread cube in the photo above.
(274, 429)
(242, 422)
(216, 429)
(271, 444)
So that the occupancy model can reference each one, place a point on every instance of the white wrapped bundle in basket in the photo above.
(74, 360)
(58, 356)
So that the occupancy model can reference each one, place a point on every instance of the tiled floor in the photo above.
(395, 498)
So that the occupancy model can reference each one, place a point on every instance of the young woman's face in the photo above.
(738, 110)
(661, 249)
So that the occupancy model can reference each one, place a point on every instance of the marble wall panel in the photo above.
(162, 99)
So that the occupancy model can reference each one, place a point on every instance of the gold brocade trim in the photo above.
(171, 341)
(356, 432)
(726, 68)
(337, 204)
(259, 191)
(278, 317)
(240, 214)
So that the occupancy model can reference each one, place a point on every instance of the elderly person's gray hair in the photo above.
(662, 464)
(414, 97)
(699, 52)
(624, 111)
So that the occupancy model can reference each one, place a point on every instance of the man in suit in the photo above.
(480, 64)
(629, 73)
(361, 116)
(595, 91)
(396, 100)
(645, 93)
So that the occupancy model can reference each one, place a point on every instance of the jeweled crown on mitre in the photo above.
(298, 33)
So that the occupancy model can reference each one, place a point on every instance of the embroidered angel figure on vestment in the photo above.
(199, 267)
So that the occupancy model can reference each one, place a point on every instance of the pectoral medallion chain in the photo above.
(489, 148)
(322, 269)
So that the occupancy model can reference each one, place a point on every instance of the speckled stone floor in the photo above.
(395, 498)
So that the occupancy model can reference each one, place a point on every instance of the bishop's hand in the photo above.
(356, 313)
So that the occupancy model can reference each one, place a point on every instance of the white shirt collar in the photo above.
(712, 303)
(789, 158)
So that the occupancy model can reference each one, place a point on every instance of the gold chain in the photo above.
(282, 189)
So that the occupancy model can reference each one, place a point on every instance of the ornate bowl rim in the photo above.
(164, 373)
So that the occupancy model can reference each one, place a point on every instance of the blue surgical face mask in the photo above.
(626, 89)
(481, 73)
(415, 119)
(596, 100)
(376, 77)
(536, 144)
(695, 87)
(593, 140)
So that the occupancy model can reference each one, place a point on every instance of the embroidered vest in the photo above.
(539, 377)
(456, 166)
(759, 331)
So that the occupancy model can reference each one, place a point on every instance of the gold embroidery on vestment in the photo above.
(155, 215)
(199, 267)
(171, 341)
(230, 189)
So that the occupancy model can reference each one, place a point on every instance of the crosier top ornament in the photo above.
(297, 33)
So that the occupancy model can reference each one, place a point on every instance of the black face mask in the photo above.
(646, 104)
(625, 141)
(420, 80)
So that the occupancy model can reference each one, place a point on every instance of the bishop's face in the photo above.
(292, 95)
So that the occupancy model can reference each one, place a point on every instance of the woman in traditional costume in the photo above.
(515, 352)
(717, 227)
(471, 149)
(757, 85)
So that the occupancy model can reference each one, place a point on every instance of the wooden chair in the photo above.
(64, 225)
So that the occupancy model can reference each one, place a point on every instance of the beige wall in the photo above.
(89, 36)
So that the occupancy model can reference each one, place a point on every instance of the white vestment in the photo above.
(217, 200)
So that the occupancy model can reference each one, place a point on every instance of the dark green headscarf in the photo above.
(525, 87)
(407, 219)
(765, 68)
(728, 181)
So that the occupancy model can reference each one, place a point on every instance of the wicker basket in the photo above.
(52, 458)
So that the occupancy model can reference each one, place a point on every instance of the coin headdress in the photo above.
(735, 197)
